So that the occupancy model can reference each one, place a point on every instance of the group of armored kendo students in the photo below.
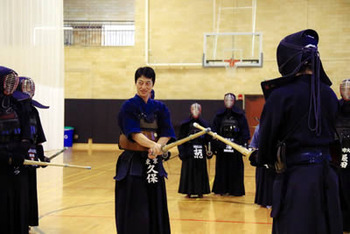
(21, 135)
(229, 122)
(300, 149)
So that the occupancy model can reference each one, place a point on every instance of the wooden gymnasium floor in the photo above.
(74, 201)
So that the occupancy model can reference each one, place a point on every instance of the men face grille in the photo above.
(10, 83)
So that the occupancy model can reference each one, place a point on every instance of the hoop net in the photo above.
(231, 65)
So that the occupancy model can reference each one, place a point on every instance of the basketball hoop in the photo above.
(231, 65)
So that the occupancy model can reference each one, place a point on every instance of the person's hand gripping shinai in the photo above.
(154, 148)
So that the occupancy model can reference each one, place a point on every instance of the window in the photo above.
(94, 33)
(118, 35)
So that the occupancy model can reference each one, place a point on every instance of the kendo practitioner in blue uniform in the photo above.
(232, 124)
(297, 126)
(24, 94)
(264, 177)
(140, 195)
(14, 145)
(193, 154)
(343, 130)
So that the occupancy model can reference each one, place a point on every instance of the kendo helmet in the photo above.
(345, 89)
(8, 81)
(25, 89)
(298, 53)
(229, 100)
(299, 50)
(196, 110)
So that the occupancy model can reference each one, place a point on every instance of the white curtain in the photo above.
(31, 43)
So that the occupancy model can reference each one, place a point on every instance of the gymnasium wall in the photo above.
(99, 121)
(176, 30)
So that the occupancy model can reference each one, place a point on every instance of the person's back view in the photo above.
(296, 129)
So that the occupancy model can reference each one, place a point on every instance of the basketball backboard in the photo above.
(243, 47)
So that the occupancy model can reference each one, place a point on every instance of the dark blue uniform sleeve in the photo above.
(216, 124)
(269, 125)
(164, 123)
(128, 119)
(245, 134)
(40, 131)
(215, 127)
(184, 148)
(255, 139)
